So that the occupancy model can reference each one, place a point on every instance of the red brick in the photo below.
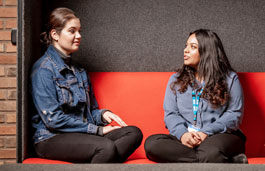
(10, 142)
(1, 142)
(8, 12)
(2, 70)
(8, 105)
(1, 47)
(7, 82)
(1, 24)
(5, 35)
(10, 2)
(10, 118)
(8, 59)
(1, 2)
(10, 48)
(10, 161)
(7, 153)
(9, 129)
(11, 71)
(2, 118)
(12, 94)
(3, 94)
(11, 23)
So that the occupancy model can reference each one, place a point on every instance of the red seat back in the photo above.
(137, 97)
(253, 124)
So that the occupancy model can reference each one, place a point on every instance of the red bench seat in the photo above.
(137, 97)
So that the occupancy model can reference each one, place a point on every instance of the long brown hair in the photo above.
(213, 68)
(57, 20)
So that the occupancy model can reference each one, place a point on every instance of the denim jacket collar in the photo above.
(56, 58)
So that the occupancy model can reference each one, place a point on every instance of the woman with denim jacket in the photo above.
(203, 107)
(69, 125)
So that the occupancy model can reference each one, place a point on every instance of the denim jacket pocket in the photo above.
(65, 95)
(70, 92)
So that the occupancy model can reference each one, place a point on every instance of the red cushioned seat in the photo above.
(43, 161)
(256, 160)
(137, 97)
(139, 161)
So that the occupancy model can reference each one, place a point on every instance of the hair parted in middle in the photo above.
(213, 68)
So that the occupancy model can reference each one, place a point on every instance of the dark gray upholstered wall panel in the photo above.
(29, 49)
(149, 35)
(137, 36)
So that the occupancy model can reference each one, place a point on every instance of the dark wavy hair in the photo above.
(57, 20)
(213, 68)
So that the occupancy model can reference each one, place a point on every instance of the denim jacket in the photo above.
(63, 98)
(179, 112)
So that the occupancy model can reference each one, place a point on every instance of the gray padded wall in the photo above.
(137, 36)
(29, 27)
(149, 35)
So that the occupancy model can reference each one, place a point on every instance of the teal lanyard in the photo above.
(195, 102)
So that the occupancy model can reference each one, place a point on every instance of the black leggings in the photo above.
(113, 147)
(219, 148)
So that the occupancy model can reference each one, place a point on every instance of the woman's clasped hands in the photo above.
(193, 139)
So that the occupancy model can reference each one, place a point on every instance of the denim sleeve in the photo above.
(94, 108)
(232, 117)
(173, 119)
(45, 99)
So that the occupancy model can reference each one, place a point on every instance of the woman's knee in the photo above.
(152, 144)
(135, 132)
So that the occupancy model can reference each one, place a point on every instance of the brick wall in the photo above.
(8, 14)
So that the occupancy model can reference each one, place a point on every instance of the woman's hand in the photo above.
(107, 129)
(109, 117)
(202, 135)
(190, 139)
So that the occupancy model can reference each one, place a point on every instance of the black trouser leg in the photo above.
(78, 148)
(219, 148)
(167, 148)
(127, 140)
(85, 148)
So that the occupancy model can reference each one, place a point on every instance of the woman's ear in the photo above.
(54, 35)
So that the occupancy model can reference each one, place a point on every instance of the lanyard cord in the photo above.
(195, 102)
